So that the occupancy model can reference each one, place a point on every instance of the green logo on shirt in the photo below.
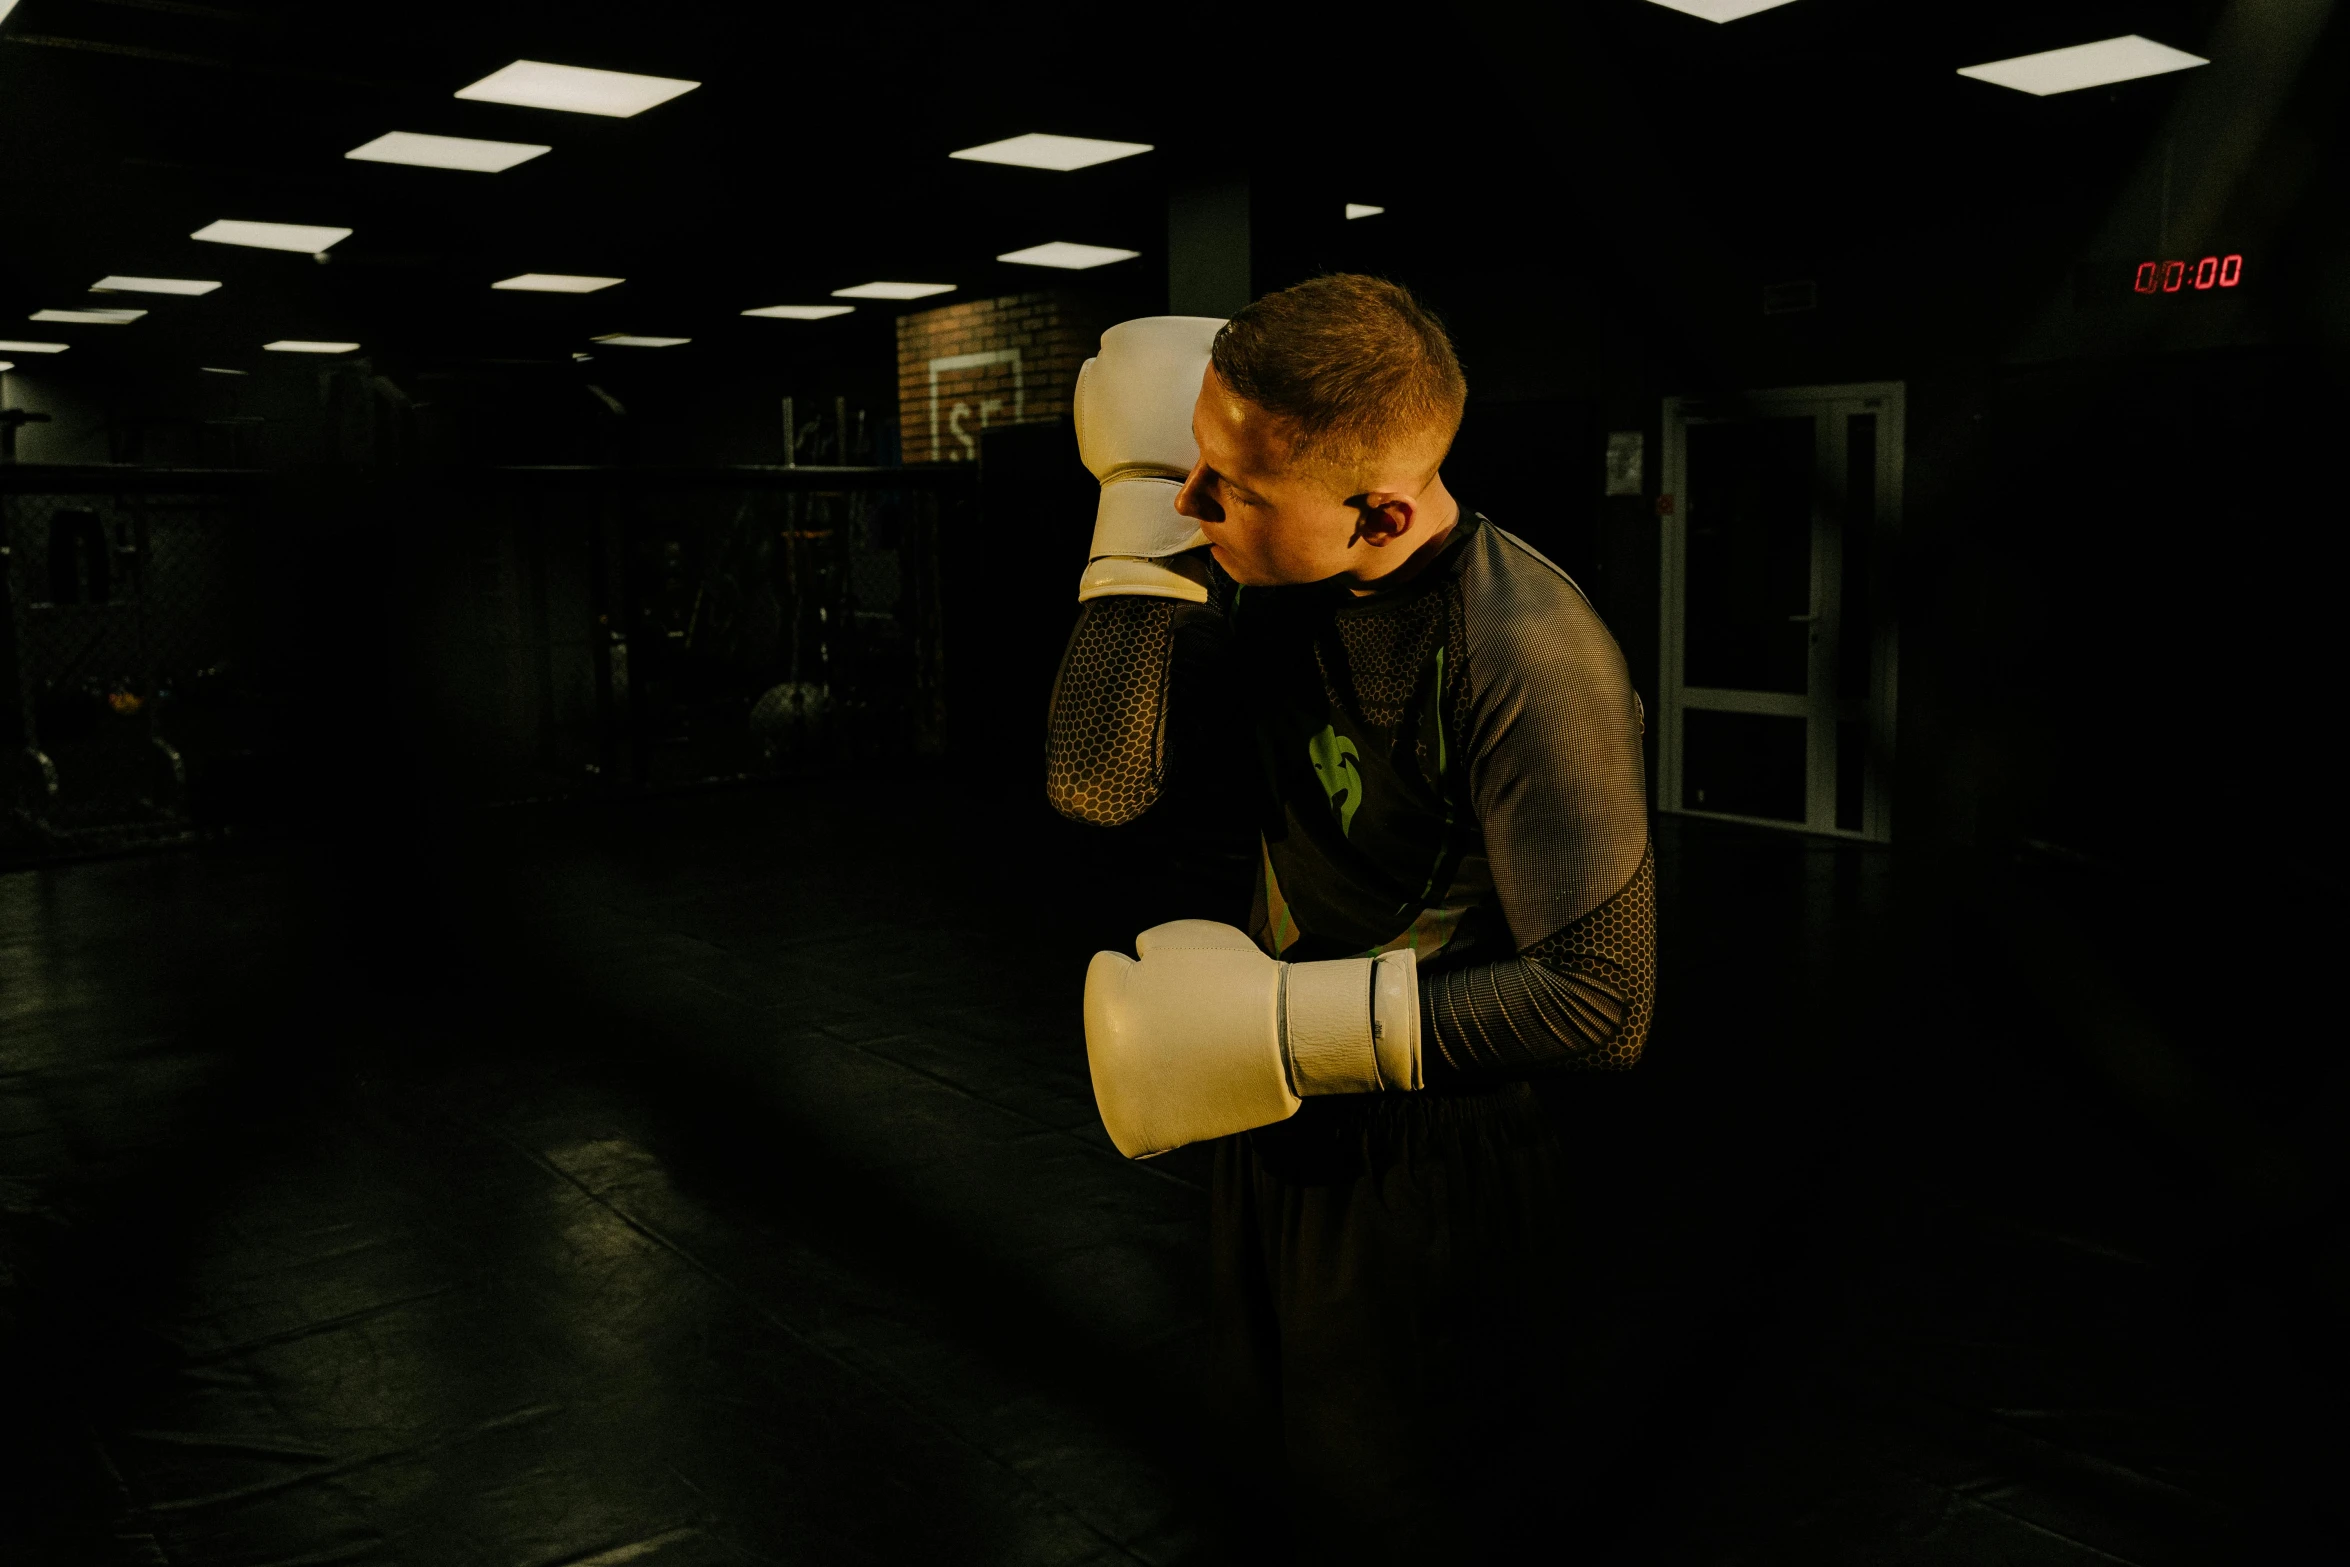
(1333, 756)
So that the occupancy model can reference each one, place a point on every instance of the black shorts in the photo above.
(1390, 1326)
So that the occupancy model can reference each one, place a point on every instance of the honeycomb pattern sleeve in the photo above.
(1106, 728)
(1577, 1000)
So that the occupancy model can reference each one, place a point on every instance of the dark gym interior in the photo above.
(539, 988)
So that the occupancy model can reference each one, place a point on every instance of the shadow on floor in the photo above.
(716, 1179)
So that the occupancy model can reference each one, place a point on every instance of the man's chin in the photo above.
(1232, 567)
(1249, 574)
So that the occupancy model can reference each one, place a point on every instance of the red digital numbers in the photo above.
(2168, 277)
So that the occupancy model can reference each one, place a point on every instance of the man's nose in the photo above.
(1194, 501)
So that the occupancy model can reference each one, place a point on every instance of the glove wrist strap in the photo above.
(1118, 576)
(1395, 1019)
(1352, 1025)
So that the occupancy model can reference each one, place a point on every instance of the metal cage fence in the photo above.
(189, 649)
(128, 638)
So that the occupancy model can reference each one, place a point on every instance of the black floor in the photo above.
(715, 1179)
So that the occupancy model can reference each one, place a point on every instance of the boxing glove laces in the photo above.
(1201, 1035)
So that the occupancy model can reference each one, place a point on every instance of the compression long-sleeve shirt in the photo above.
(1451, 764)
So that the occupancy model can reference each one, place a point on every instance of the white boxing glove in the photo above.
(1206, 1036)
(1133, 409)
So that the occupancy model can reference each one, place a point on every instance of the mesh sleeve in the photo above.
(1106, 730)
(1578, 999)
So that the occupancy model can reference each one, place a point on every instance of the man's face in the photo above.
(1270, 521)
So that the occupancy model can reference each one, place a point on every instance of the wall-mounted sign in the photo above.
(1624, 451)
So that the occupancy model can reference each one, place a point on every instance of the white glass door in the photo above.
(1778, 635)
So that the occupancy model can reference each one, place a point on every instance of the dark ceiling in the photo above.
(1665, 164)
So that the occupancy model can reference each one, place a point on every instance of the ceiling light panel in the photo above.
(446, 152)
(1358, 209)
(556, 283)
(800, 312)
(1067, 255)
(5, 364)
(308, 239)
(1037, 150)
(19, 346)
(151, 285)
(534, 84)
(893, 290)
(302, 345)
(2099, 64)
(221, 370)
(631, 340)
(1721, 10)
(88, 317)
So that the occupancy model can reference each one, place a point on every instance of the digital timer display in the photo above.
(2169, 277)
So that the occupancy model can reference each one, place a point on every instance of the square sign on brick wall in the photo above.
(970, 367)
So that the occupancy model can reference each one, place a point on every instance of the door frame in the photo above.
(1886, 400)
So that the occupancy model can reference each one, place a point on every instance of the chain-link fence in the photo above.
(181, 650)
(129, 638)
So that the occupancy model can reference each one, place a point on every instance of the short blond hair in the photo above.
(1355, 365)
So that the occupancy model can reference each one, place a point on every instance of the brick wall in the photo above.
(969, 367)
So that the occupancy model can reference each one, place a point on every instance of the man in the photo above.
(1454, 894)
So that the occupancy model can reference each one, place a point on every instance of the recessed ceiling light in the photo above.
(557, 283)
(151, 285)
(1062, 253)
(1037, 150)
(307, 238)
(1721, 10)
(88, 317)
(297, 345)
(446, 152)
(18, 346)
(218, 370)
(1356, 209)
(6, 365)
(2084, 65)
(534, 84)
(801, 312)
(630, 340)
(893, 290)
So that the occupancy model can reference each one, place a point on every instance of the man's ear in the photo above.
(1383, 516)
